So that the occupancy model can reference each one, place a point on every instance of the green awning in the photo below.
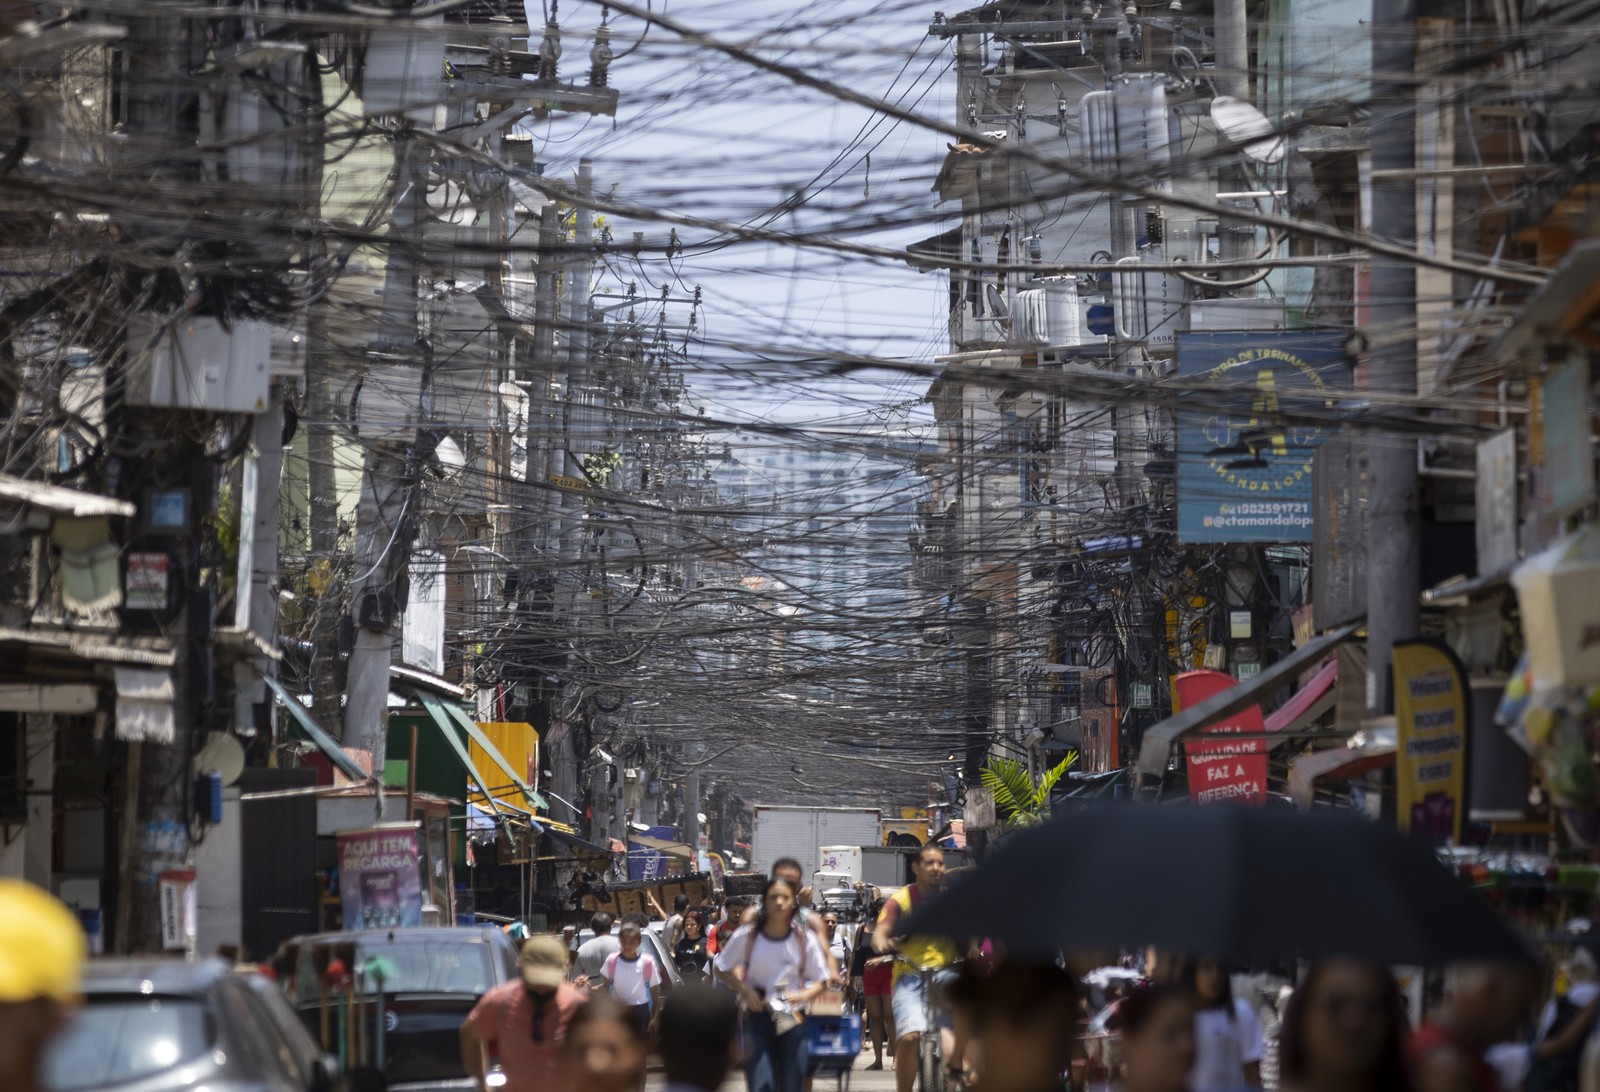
(439, 711)
(313, 731)
(477, 735)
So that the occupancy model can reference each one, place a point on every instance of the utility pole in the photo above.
(576, 389)
(1394, 519)
(386, 516)
(162, 53)
(1232, 79)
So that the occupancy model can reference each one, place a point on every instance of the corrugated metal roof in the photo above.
(59, 500)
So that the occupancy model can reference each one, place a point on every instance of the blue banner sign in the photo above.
(1247, 437)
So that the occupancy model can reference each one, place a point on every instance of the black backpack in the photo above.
(1560, 1073)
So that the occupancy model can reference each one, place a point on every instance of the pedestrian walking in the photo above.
(838, 943)
(875, 974)
(925, 965)
(691, 953)
(788, 869)
(516, 1029)
(1156, 1027)
(672, 931)
(1564, 1026)
(633, 977)
(1022, 1020)
(603, 1051)
(42, 950)
(776, 966)
(1344, 1030)
(699, 1033)
(1484, 1004)
(1227, 1034)
(593, 953)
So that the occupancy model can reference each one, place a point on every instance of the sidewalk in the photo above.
(860, 1079)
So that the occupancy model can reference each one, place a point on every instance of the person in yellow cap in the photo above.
(42, 949)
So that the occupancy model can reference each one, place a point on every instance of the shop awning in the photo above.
(1309, 702)
(441, 717)
(1155, 753)
(313, 731)
(580, 847)
(477, 735)
(661, 845)
(1367, 751)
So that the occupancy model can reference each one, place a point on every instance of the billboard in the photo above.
(1222, 771)
(1248, 434)
(1432, 721)
(380, 876)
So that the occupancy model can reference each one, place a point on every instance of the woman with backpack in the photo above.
(776, 966)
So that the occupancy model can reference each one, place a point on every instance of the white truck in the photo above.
(801, 832)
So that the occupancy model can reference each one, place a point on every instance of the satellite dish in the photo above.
(223, 755)
(1247, 127)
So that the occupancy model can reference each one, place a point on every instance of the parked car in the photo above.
(438, 974)
(148, 1025)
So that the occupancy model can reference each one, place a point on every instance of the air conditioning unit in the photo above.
(198, 363)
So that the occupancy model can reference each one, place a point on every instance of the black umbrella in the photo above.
(1241, 883)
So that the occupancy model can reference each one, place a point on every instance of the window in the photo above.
(122, 1038)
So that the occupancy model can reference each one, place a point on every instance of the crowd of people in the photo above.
(587, 1018)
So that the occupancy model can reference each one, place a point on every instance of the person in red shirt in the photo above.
(520, 1025)
(1484, 1004)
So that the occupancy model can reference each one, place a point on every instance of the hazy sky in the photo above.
(700, 134)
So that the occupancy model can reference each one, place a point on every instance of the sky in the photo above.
(700, 134)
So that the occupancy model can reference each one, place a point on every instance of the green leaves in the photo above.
(1019, 799)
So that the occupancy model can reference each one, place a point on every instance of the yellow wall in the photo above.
(518, 744)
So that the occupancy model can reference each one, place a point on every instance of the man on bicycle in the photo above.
(924, 962)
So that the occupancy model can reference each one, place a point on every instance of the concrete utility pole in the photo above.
(1232, 78)
(156, 831)
(577, 395)
(386, 518)
(1394, 519)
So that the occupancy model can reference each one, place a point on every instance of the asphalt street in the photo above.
(860, 1080)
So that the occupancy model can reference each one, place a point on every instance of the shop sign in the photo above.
(1222, 771)
(979, 810)
(1568, 455)
(145, 587)
(179, 909)
(1246, 440)
(1432, 721)
(380, 876)
(1497, 502)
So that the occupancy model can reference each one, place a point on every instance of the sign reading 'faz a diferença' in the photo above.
(1247, 436)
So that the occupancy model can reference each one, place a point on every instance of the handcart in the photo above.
(834, 1043)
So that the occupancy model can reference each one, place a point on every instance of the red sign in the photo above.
(1220, 771)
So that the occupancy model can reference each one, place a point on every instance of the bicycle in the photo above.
(931, 1073)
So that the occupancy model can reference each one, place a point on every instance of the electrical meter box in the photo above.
(199, 363)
